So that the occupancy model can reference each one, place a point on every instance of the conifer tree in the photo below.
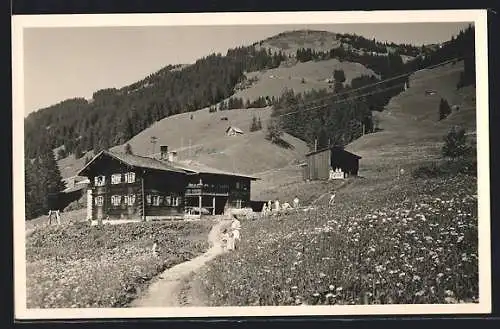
(259, 124)
(444, 109)
(253, 126)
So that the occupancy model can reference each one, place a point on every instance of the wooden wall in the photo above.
(318, 165)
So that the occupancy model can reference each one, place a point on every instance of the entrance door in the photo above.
(220, 204)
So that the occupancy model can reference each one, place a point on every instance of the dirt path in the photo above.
(166, 291)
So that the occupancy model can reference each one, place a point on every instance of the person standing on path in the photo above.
(235, 228)
(296, 203)
(332, 200)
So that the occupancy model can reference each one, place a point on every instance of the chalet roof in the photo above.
(75, 188)
(333, 148)
(151, 163)
(134, 161)
(198, 168)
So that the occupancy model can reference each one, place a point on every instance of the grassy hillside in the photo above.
(300, 77)
(411, 134)
(209, 145)
(411, 130)
(203, 139)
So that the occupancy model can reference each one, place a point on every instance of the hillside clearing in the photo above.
(300, 77)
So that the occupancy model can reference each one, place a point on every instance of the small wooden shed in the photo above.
(319, 163)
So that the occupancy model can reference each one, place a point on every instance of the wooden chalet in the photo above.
(320, 163)
(126, 186)
(233, 131)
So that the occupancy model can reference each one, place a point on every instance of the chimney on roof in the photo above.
(172, 156)
(163, 152)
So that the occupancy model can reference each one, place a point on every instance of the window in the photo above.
(237, 185)
(116, 178)
(175, 201)
(130, 177)
(238, 204)
(168, 200)
(148, 199)
(131, 199)
(125, 200)
(116, 200)
(99, 180)
(157, 200)
(99, 200)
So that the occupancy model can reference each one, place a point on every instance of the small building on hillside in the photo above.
(232, 131)
(126, 186)
(330, 163)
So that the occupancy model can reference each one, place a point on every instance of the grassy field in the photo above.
(74, 216)
(82, 266)
(384, 241)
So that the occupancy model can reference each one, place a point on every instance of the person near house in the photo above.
(52, 214)
(270, 205)
(332, 200)
(277, 206)
(285, 207)
(264, 210)
(235, 230)
(230, 241)
(296, 202)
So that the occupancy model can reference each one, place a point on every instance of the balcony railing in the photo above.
(207, 191)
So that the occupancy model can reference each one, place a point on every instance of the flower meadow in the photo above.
(411, 242)
(72, 266)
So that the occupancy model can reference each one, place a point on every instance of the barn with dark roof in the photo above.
(320, 163)
(126, 186)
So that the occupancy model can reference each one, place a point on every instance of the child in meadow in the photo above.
(230, 241)
(332, 200)
(224, 239)
(155, 248)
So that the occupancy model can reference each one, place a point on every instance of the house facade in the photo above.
(320, 164)
(125, 186)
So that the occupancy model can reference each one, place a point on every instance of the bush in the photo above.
(455, 144)
(444, 109)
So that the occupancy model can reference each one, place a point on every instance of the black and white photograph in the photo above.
(251, 164)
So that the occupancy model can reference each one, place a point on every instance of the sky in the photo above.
(69, 62)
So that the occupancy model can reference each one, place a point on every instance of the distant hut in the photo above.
(319, 163)
(233, 131)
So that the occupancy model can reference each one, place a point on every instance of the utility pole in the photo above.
(315, 145)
